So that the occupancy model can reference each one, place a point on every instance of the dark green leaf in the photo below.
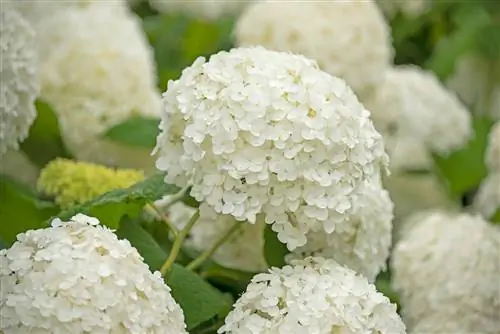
(44, 142)
(496, 217)
(136, 131)
(231, 279)
(20, 210)
(274, 250)
(463, 170)
(113, 205)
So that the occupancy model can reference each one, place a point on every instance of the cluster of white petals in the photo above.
(97, 70)
(203, 9)
(363, 242)
(447, 266)
(258, 131)
(410, 8)
(313, 295)
(77, 277)
(349, 39)
(477, 81)
(243, 250)
(413, 103)
(18, 79)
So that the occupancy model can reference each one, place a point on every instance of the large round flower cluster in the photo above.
(18, 80)
(97, 71)
(349, 39)
(204, 9)
(363, 242)
(77, 277)
(412, 103)
(446, 267)
(258, 131)
(313, 295)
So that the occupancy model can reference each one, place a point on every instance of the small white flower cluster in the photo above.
(258, 131)
(487, 200)
(97, 70)
(202, 9)
(410, 8)
(77, 277)
(477, 82)
(313, 295)
(446, 269)
(349, 39)
(18, 79)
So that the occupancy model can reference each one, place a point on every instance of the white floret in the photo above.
(203, 9)
(447, 266)
(97, 70)
(493, 149)
(18, 80)
(257, 131)
(363, 242)
(312, 296)
(413, 103)
(487, 200)
(77, 277)
(349, 39)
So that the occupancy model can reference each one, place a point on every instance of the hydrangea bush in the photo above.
(309, 168)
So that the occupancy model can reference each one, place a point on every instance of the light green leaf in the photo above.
(496, 217)
(113, 205)
(274, 250)
(44, 142)
(137, 131)
(20, 210)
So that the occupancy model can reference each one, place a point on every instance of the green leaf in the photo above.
(384, 286)
(274, 250)
(20, 210)
(496, 217)
(137, 131)
(44, 142)
(464, 170)
(113, 205)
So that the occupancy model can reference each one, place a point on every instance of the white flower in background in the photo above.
(257, 131)
(447, 266)
(18, 79)
(363, 242)
(487, 200)
(244, 250)
(447, 323)
(410, 8)
(97, 70)
(477, 81)
(77, 277)
(412, 103)
(493, 149)
(349, 39)
(312, 296)
(202, 9)
(16, 165)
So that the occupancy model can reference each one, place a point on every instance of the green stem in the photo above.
(164, 218)
(209, 252)
(176, 247)
(176, 198)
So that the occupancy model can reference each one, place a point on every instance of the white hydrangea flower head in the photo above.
(258, 131)
(18, 79)
(413, 103)
(487, 200)
(77, 277)
(349, 39)
(202, 9)
(313, 295)
(448, 265)
(17, 165)
(244, 250)
(493, 149)
(363, 242)
(410, 8)
(97, 70)
(477, 81)
(444, 323)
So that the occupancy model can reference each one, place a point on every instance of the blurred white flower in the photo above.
(487, 200)
(18, 79)
(257, 131)
(477, 81)
(97, 70)
(493, 149)
(410, 8)
(77, 277)
(447, 266)
(411, 103)
(312, 296)
(349, 39)
(202, 9)
(16, 165)
(363, 242)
